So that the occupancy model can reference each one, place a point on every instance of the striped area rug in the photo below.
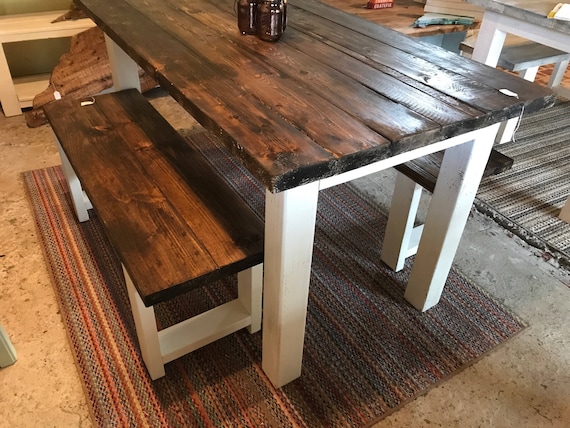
(528, 198)
(367, 352)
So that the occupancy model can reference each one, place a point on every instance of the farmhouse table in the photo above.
(336, 98)
(527, 19)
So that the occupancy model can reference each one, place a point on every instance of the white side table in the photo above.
(19, 93)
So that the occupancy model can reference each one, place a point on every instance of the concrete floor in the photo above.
(524, 383)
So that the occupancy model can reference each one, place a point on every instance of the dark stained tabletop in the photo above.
(335, 93)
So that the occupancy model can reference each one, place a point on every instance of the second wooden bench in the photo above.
(174, 222)
(526, 58)
(402, 234)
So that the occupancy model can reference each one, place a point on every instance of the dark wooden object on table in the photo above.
(175, 223)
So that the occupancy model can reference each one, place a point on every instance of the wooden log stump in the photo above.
(83, 71)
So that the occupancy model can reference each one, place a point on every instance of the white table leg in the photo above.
(459, 177)
(124, 70)
(289, 234)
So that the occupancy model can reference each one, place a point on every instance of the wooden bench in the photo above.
(18, 93)
(174, 222)
(402, 235)
(526, 58)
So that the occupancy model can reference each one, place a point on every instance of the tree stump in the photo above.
(83, 71)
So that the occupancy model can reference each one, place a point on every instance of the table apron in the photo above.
(401, 158)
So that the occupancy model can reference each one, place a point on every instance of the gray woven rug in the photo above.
(527, 199)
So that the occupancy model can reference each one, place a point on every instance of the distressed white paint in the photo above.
(459, 177)
(289, 233)
(124, 69)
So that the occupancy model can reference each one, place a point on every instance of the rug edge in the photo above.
(25, 175)
(561, 258)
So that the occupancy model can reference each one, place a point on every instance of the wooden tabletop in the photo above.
(335, 93)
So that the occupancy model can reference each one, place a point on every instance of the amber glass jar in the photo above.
(246, 13)
(270, 19)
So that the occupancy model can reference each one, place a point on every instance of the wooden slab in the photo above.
(335, 93)
(173, 220)
(83, 71)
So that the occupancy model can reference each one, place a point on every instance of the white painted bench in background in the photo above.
(526, 58)
(18, 93)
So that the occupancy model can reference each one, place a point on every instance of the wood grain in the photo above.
(335, 93)
(174, 222)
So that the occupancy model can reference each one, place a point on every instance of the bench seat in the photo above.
(402, 234)
(174, 222)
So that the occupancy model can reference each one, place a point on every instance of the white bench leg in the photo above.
(558, 74)
(147, 332)
(529, 74)
(402, 238)
(80, 200)
(160, 347)
(250, 290)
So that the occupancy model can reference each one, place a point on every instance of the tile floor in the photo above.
(524, 383)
